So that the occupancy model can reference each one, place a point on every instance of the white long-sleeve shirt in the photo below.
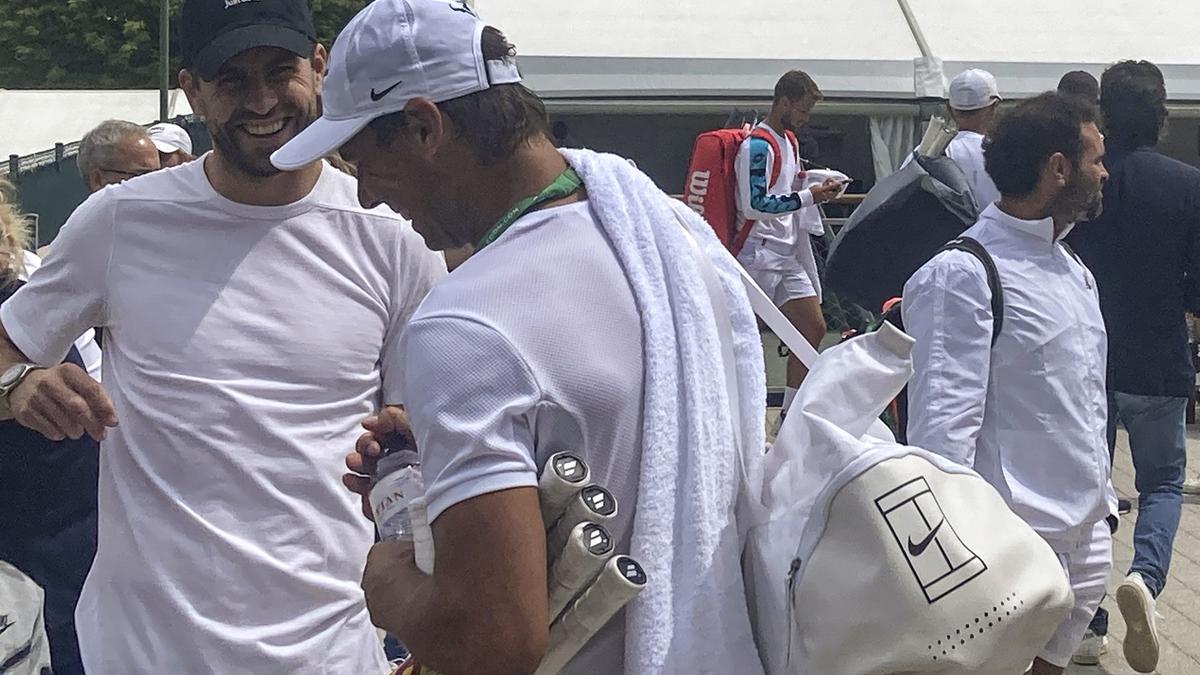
(967, 152)
(1029, 414)
(774, 206)
(966, 149)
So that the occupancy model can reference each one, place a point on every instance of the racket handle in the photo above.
(563, 476)
(592, 504)
(589, 546)
(618, 583)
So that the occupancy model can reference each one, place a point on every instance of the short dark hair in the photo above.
(1080, 83)
(1133, 98)
(496, 121)
(1024, 138)
(795, 85)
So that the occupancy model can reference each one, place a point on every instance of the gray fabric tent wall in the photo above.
(51, 192)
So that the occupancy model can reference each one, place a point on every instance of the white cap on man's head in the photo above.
(169, 138)
(390, 53)
(973, 89)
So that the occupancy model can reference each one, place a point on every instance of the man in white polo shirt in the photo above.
(1029, 413)
(250, 321)
(974, 102)
(568, 328)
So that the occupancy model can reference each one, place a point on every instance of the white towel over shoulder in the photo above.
(692, 617)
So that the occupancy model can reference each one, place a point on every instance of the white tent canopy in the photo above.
(634, 49)
(34, 120)
(640, 55)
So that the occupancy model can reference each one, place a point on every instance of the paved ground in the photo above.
(1179, 605)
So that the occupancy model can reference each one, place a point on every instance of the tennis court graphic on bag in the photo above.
(938, 558)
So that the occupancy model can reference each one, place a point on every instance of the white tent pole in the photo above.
(929, 81)
(915, 27)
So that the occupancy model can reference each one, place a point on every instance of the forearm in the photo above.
(9, 352)
(763, 205)
(425, 626)
(9, 355)
(447, 630)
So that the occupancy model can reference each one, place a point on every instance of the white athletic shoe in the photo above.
(1091, 649)
(1191, 486)
(1141, 632)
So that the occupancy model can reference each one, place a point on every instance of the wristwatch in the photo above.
(12, 377)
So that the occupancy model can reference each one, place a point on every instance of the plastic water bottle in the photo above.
(398, 503)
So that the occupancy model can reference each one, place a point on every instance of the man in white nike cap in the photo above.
(173, 143)
(974, 102)
(426, 100)
(249, 319)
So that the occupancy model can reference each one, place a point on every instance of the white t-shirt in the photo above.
(531, 347)
(89, 351)
(243, 346)
(966, 149)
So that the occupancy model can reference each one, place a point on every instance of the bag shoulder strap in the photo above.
(1070, 251)
(769, 137)
(972, 246)
(795, 144)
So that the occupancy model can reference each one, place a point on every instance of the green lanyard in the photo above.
(564, 185)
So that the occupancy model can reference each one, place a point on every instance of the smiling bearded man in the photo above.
(250, 318)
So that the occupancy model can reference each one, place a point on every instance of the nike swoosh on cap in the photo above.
(917, 549)
(376, 96)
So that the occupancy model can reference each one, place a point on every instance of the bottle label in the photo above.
(389, 505)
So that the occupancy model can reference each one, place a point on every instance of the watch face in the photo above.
(12, 375)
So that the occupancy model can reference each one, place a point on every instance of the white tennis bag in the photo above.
(24, 649)
(866, 556)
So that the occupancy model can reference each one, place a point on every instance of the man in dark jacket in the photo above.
(48, 520)
(1145, 253)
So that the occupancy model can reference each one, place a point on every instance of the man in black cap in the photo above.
(250, 319)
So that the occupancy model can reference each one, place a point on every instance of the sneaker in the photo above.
(1141, 632)
(1091, 649)
(1191, 486)
(1125, 506)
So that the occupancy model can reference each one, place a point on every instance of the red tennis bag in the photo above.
(710, 188)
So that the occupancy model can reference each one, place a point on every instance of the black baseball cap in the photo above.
(213, 31)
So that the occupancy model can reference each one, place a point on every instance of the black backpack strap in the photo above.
(1070, 251)
(972, 246)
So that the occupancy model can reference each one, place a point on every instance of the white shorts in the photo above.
(1087, 569)
(779, 270)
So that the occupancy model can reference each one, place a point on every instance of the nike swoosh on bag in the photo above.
(917, 549)
(375, 96)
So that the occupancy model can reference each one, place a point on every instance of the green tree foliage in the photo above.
(105, 44)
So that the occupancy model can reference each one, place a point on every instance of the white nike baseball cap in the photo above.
(973, 89)
(390, 53)
(170, 138)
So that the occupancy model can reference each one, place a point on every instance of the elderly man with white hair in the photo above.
(114, 152)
